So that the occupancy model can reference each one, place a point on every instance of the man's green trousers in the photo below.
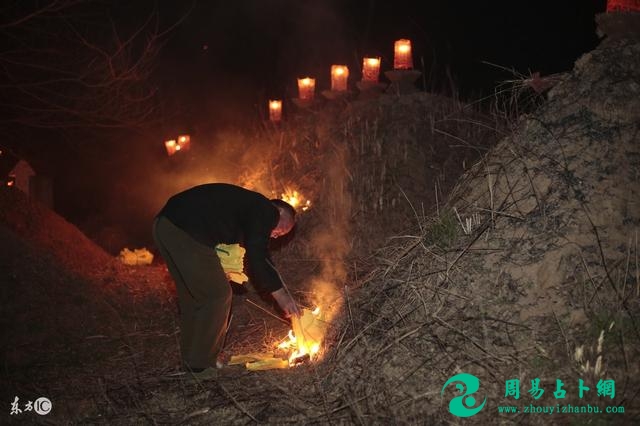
(204, 294)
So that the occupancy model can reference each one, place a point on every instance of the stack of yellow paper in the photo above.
(267, 364)
(232, 261)
(136, 257)
(259, 361)
(252, 357)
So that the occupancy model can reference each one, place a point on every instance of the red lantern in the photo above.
(371, 69)
(184, 142)
(402, 58)
(339, 75)
(275, 110)
(623, 5)
(306, 88)
(171, 146)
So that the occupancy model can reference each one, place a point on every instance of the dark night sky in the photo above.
(256, 48)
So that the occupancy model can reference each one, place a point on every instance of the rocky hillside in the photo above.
(530, 272)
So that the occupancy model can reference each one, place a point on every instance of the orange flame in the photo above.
(301, 340)
(296, 200)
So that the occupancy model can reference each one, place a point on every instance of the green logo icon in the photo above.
(463, 405)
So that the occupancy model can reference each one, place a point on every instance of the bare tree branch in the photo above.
(71, 63)
(39, 11)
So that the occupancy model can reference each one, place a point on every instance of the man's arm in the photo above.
(266, 277)
(286, 302)
(262, 272)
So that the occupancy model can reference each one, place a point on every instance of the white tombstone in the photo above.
(22, 173)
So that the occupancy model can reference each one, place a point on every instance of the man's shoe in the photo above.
(209, 373)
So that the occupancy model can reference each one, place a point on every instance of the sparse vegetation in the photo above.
(443, 231)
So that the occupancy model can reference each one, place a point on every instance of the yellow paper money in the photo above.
(251, 357)
(267, 364)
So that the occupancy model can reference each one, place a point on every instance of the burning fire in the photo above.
(296, 200)
(304, 340)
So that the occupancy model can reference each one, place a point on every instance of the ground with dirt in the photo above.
(525, 268)
(530, 271)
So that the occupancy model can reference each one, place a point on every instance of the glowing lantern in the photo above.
(275, 110)
(306, 88)
(623, 6)
(402, 58)
(371, 69)
(339, 75)
(184, 143)
(171, 146)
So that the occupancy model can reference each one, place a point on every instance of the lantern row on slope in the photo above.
(402, 60)
(182, 143)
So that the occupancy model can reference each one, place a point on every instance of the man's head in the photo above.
(287, 218)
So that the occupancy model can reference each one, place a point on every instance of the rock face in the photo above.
(532, 273)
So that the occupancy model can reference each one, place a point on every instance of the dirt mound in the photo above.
(51, 234)
(531, 271)
(73, 317)
(385, 162)
(405, 155)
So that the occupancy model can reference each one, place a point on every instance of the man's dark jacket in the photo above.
(221, 213)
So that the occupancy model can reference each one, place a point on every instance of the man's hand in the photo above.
(285, 301)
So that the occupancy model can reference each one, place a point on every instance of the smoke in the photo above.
(270, 162)
(231, 156)
(307, 156)
(146, 180)
(330, 241)
(254, 51)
